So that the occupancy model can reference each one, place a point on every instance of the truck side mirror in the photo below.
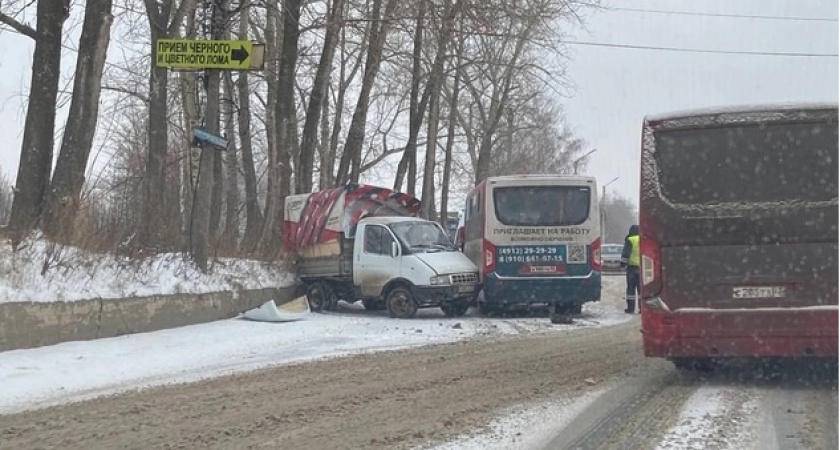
(395, 250)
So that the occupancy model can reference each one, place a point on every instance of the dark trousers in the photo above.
(633, 289)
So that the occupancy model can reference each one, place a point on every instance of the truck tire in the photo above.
(455, 309)
(577, 309)
(318, 296)
(401, 303)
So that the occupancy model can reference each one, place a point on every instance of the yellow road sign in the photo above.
(204, 54)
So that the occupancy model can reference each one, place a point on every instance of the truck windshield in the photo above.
(422, 236)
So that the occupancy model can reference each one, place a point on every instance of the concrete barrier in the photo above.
(33, 324)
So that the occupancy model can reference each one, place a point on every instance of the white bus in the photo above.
(536, 240)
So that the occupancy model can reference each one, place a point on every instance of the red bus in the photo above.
(739, 225)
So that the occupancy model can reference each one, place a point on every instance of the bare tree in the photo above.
(348, 169)
(165, 18)
(201, 226)
(345, 79)
(452, 120)
(316, 98)
(253, 215)
(416, 109)
(63, 196)
(36, 153)
(5, 198)
(231, 230)
(284, 117)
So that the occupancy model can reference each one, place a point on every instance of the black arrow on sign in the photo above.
(239, 54)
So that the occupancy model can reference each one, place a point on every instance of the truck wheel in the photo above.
(318, 297)
(455, 309)
(577, 309)
(401, 303)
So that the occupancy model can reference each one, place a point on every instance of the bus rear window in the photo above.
(750, 163)
(541, 205)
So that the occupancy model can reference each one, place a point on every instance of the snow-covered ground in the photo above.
(72, 371)
(527, 427)
(70, 274)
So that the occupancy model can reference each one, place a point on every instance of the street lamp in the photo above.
(604, 196)
(603, 211)
(575, 162)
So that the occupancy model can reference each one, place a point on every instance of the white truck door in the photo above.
(374, 266)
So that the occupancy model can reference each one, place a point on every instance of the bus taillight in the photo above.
(489, 252)
(651, 267)
(595, 255)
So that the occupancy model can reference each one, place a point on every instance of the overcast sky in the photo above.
(616, 87)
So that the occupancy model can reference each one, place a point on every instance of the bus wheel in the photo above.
(401, 303)
(455, 309)
(560, 314)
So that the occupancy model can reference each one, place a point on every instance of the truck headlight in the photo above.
(440, 280)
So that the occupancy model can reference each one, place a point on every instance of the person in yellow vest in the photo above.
(630, 262)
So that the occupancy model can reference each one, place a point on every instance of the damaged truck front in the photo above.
(360, 242)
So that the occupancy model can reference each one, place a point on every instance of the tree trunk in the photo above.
(63, 197)
(158, 140)
(450, 141)
(231, 233)
(217, 193)
(408, 162)
(326, 162)
(188, 160)
(154, 202)
(316, 99)
(344, 81)
(428, 194)
(349, 166)
(33, 175)
(273, 39)
(201, 226)
(253, 215)
(285, 109)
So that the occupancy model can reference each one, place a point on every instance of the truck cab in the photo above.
(406, 263)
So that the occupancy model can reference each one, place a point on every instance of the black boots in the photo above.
(631, 307)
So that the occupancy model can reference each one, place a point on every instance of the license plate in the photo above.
(759, 292)
(466, 288)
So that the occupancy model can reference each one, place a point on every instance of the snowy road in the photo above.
(512, 383)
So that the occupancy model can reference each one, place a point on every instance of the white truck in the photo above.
(360, 242)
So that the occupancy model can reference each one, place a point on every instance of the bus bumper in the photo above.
(788, 332)
(525, 293)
